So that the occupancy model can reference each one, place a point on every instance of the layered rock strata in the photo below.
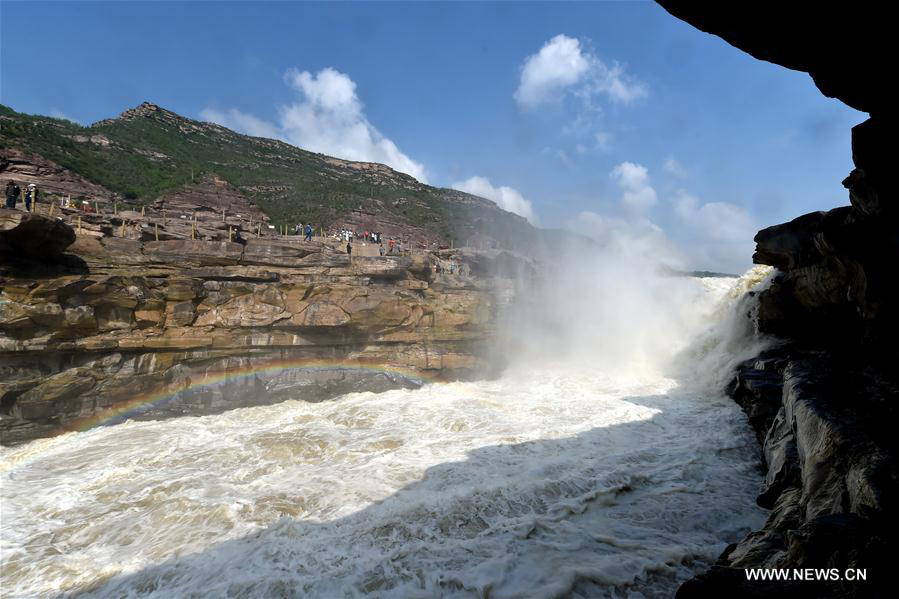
(826, 422)
(25, 168)
(824, 403)
(118, 327)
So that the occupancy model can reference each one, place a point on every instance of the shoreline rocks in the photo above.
(831, 482)
(824, 404)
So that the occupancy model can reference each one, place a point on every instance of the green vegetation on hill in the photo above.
(148, 151)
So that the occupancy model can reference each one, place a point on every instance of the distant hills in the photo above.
(148, 152)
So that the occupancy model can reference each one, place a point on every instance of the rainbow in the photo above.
(126, 409)
(132, 407)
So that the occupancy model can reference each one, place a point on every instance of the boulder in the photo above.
(25, 235)
(789, 245)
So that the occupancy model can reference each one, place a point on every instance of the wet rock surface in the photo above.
(832, 475)
(823, 404)
(160, 328)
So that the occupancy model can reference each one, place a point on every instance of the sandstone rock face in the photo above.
(27, 235)
(24, 168)
(153, 328)
(211, 195)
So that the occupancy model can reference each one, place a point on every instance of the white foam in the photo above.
(533, 485)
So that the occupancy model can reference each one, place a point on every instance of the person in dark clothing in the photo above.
(308, 232)
(12, 194)
(30, 196)
(238, 238)
(349, 248)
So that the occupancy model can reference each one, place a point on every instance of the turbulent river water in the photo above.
(550, 481)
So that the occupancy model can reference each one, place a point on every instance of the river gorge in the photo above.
(552, 479)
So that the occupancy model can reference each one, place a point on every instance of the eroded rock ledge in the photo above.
(824, 404)
(826, 420)
(144, 326)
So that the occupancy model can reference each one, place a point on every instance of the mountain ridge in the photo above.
(148, 151)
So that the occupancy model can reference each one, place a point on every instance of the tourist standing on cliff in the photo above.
(381, 248)
(349, 248)
(12, 194)
(308, 232)
(30, 196)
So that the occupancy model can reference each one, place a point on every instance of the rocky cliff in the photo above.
(824, 403)
(95, 328)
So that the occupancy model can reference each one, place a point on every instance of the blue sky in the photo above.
(610, 118)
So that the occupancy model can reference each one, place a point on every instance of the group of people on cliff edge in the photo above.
(13, 191)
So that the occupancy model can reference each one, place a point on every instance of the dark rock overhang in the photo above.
(846, 49)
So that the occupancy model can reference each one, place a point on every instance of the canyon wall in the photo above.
(98, 328)
(823, 404)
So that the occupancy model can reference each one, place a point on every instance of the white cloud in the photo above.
(559, 64)
(721, 232)
(674, 168)
(331, 120)
(241, 121)
(328, 118)
(630, 231)
(637, 194)
(559, 153)
(564, 65)
(632, 236)
(719, 220)
(602, 141)
(700, 236)
(507, 198)
(58, 114)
